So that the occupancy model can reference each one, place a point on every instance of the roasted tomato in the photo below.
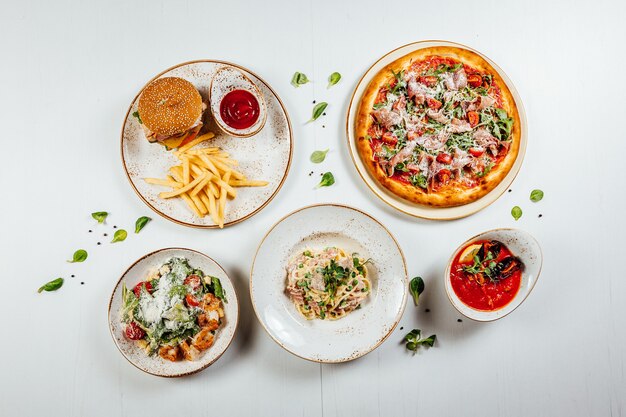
(433, 103)
(475, 80)
(444, 176)
(412, 135)
(476, 151)
(444, 158)
(390, 138)
(134, 332)
(192, 301)
(429, 80)
(194, 281)
(137, 289)
(473, 118)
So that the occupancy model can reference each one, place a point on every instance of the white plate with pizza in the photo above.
(197, 100)
(436, 130)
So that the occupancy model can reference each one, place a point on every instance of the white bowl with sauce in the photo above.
(522, 245)
(236, 103)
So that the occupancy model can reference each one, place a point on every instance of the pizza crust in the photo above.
(454, 194)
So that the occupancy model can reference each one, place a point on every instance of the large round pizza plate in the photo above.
(264, 156)
(397, 202)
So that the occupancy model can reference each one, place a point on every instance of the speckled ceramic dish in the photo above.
(522, 245)
(397, 202)
(362, 330)
(263, 156)
(227, 79)
(154, 364)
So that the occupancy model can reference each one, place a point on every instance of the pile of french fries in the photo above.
(204, 179)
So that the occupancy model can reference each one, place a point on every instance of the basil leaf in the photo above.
(327, 180)
(536, 195)
(413, 340)
(141, 222)
(100, 216)
(79, 256)
(136, 114)
(119, 236)
(429, 341)
(333, 79)
(318, 110)
(516, 212)
(299, 79)
(53, 285)
(318, 156)
(416, 287)
(217, 289)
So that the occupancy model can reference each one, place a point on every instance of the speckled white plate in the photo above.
(317, 227)
(264, 156)
(522, 245)
(155, 365)
(399, 203)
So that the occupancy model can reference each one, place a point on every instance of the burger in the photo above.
(170, 112)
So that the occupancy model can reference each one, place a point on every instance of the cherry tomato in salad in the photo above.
(134, 332)
(473, 118)
(444, 158)
(476, 151)
(137, 289)
(433, 103)
(444, 176)
(475, 80)
(194, 281)
(191, 301)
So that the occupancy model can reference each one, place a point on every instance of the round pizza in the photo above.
(438, 127)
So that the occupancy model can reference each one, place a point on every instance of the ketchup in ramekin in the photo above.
(239, 109)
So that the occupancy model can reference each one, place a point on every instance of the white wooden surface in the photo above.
(69, 70)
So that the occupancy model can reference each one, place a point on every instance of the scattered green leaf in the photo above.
(333, 79)
(536, 195)
(100, 216)
(318, 110)
(79, 256)
(413, 340)
(53, 285)
(217, 289)
(327, 180)
(516, 212)
(119, 236)
(141, 222)
(299, 79)
(318, 156)
(416, 287)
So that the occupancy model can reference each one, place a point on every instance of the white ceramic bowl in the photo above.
(155, 365)
(522, 245)
(362, 330)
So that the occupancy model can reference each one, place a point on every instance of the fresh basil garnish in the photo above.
(318, 156)
(333, 79)
(516, 212)
(413, 340)
(79, 256)
(53, 285)
(299, 79)
(327, 180)
(536, 195)
(100, 216)
(318, 110)
(136, 114)
(416, 287)
(141, 222)
(119, 236)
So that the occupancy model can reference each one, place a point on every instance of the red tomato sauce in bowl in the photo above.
(491, 280)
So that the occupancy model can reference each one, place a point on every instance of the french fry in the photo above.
(247, 183)
(167, 183)
(207, 162)
(201, 185)
(222, 203)
(226, 161)
(185, 171)
(212, 207)
(183, 189)
(225, 168)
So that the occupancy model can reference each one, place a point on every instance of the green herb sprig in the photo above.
(141, 223)
(119, 236)
(318, 110)
(79, 256)
(333, 79)
(100, 216)
(416, 287)
(318, 156)
(536, 195)
(299, 79)
(413, 340)
(516, 212)
(53, 285)
(328, 179)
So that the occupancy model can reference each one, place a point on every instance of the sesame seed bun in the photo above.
(169, 105)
